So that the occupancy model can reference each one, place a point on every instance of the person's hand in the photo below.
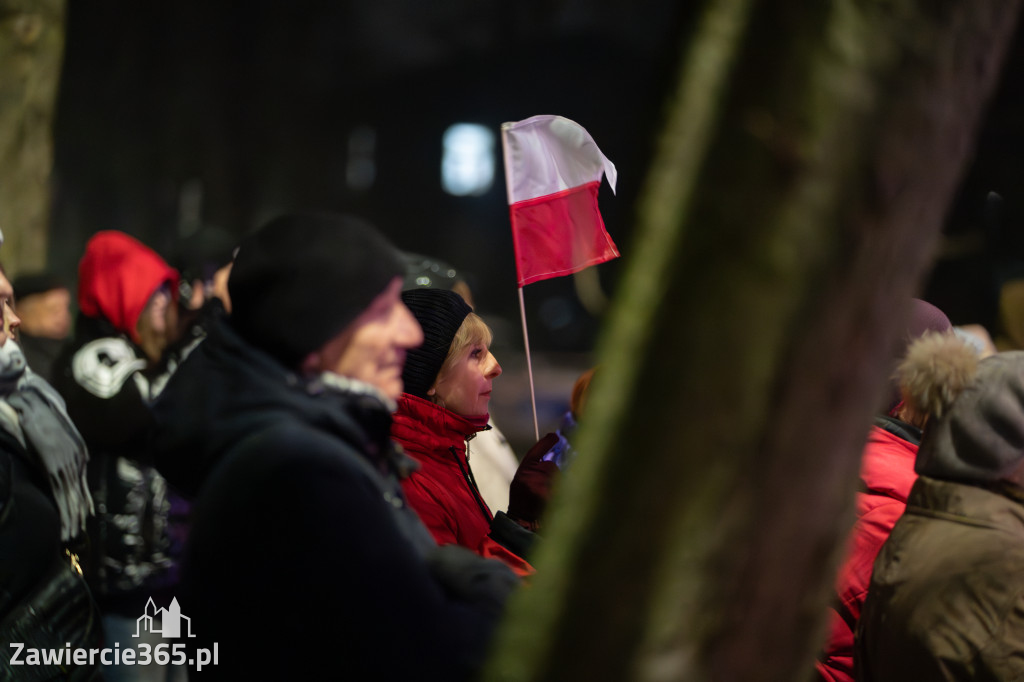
(531, 486)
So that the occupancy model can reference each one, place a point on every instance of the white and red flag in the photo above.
(553, 171)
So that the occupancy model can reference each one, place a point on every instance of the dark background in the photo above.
(173, 115)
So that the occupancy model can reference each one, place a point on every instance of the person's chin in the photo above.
(392, 389)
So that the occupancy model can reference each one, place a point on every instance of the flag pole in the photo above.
(522, 305)
(529, 365)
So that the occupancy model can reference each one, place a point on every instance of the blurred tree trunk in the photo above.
(31, 49)
(795, 202)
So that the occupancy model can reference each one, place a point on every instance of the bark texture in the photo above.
(31, 50)
(806, 165)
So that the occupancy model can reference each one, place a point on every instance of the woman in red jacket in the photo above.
(448, 383)
(936, 368)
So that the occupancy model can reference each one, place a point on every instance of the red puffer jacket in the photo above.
(887, 474)
(443, 491)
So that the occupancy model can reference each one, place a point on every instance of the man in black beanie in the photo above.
(304, 561)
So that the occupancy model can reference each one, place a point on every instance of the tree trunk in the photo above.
(31, 49)
(792, 209)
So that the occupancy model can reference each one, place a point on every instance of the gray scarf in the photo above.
(34, 413)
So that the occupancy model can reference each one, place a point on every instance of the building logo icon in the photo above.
(170, 621)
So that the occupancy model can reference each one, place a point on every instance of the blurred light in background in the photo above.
(361, 169)
(467, 166)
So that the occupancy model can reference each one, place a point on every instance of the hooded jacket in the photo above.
(886, 476)
(116, 278)
(304, 560)
(935, 367)
(443, 491)
(105, 380)
(946, 599)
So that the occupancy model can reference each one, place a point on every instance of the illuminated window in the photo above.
(361, 169)
(467, 167)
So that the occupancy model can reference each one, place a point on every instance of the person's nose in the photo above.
(13, 320)
(410, 333)
(492, 369)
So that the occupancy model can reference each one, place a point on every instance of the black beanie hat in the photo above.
(302, 278)
(203, 252)
(37, 283)
(440, 313)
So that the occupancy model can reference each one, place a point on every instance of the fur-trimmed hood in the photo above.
(936, 368)
(981, 437)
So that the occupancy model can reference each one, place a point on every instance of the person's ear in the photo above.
(198, 295)
(432, 390)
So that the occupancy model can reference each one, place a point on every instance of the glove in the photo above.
(512, 535)
(530, 489)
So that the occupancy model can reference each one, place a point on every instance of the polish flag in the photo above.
(553, 171)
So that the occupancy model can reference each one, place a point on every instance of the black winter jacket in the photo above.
(44, 603)
(105, 382)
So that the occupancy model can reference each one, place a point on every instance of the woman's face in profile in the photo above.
(465, 388)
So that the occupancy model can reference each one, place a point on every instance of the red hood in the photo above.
(116, 278)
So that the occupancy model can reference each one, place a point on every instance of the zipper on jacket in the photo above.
(467, 474)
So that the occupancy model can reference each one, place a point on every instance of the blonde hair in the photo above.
(472, 331)
(936, 368)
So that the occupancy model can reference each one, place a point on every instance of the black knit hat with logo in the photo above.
(440, 313)
(302, 278)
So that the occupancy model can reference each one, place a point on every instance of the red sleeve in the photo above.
(490, 549)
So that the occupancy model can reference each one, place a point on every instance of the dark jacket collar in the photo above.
(986, 505)
(228, 389)
(898, 428)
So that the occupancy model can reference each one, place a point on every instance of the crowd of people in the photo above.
(265, 461)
